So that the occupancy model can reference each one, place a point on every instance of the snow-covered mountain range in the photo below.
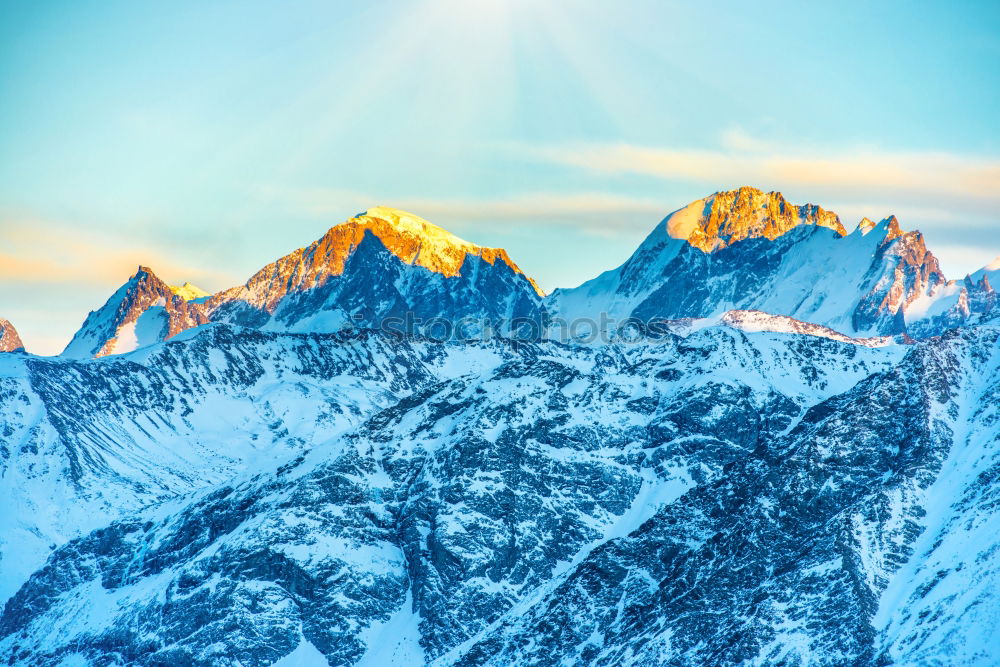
(743, 249)
(801, 465)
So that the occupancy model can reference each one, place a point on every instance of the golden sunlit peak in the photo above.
(412, 224)
(733, 215)
(417, 241)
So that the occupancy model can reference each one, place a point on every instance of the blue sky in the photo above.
(206, 139)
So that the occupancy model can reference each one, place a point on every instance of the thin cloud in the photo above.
(44, 251)
(924, 176)
(593, 213)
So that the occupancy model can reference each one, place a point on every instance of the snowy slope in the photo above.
(755, 320)
(943, 606)
(838, 542)
(436, 514)
(753, 491)
(86, 441)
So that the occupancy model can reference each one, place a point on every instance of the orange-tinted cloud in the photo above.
(593, 212)
(35, 250)
(745, 160)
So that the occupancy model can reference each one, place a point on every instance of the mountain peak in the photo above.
(892, 228)
(409, 237)
(872, 282)
(889, 228)
(409, 223)
(729, 216)
(990, 272)
(115, 327)
(419, 242)
(9, 340)
(143, 273)
(188, 291)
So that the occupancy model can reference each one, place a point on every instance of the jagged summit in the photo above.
(889, 226)
(723, 218)
(9, 340)
(145, 275)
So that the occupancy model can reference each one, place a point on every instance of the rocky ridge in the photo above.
(9, 340)
(750, 250)
(728, 217)
(380, 265)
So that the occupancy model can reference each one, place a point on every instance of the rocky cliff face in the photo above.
(452, 500)
(729, 217)
(903, 272)
(84, 442)
(801, 543)
(9, 340)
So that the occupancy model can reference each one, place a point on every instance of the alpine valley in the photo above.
(775, 440)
